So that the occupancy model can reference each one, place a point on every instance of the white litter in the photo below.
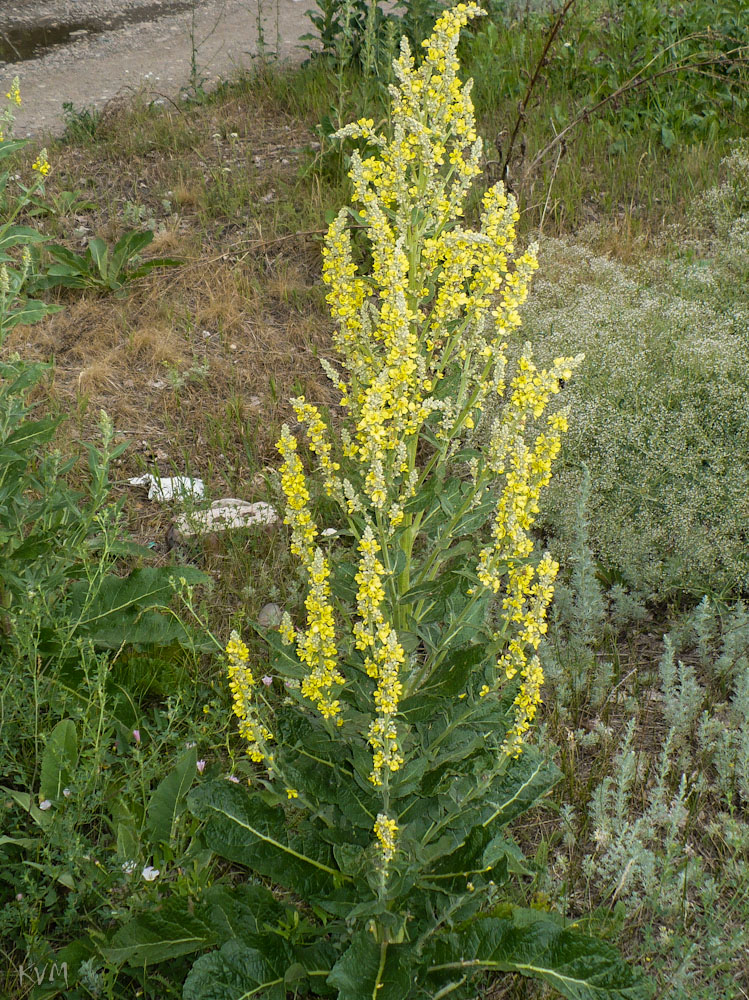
(177, 487)
(223, 514)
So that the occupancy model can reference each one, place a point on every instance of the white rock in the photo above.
(223, 514)
(168, 489)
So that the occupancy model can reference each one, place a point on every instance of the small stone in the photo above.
(269, 616)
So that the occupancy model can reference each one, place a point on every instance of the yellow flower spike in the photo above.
(241, 685)
(41, 164)
(386, 831)
(317, 646)
(14, 94)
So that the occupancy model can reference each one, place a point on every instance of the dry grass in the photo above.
(194, 364)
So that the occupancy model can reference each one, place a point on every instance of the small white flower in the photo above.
(67, 793)
(329, 532)
(150, 873)
(233, 778)
(129, 867)
(45, 804)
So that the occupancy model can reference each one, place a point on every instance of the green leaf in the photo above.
(117, 613)
(129, 246)
(170, 798)
(75, 261)
(667, 137)
(19, 235)
(59, 759)
(99, 252)
(32, 311)
(368, 969)
(237, 972)
(577, 966)
(161, 935)
(244, 912)
(32, 433)
(528, 779)
(153, 262)
(283, 658)
(241, 827)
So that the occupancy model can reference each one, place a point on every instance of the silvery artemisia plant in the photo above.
(391, 748)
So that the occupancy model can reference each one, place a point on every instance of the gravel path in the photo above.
(111, 48)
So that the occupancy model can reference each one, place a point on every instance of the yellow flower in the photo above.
(241, 685)
(386, 831)
(41, 164)
(14, 94)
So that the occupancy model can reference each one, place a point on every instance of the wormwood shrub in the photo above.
(669, 829)
(390, 732)
(659, 420)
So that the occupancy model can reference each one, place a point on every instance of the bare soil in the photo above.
(92, 52)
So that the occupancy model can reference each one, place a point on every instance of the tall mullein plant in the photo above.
(389, 738)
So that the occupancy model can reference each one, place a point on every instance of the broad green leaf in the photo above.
(59, 759)
(72, 260)
(160, 935)
(169, 799)
(27, 803)
(149, 265)
(117, 612)
(32, 433)
(283, 658)
(32, 311)
(128, 844)
(241, 827)
(18, 235)
(127, 247)
(238, 972)
(244, 912)
(474, 519)
(368, 969)
(26, 842)
(529, 778)
(575, 965)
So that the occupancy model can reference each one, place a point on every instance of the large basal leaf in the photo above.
(244, 912)
(170, 797)
(119, 611)
(532, 944)
(367, 969)
(237, 972)
(59, 759)
(242, 828)
(161, 935)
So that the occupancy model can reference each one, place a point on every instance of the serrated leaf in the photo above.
(577, 966)
(59, 759)
(368, 969)
(170, 798)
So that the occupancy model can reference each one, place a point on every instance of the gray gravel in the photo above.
(135, 44)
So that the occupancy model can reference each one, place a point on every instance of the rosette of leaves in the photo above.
(389, 736)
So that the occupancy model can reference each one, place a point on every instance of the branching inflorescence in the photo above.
(421, 347)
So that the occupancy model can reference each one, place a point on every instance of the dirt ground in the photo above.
(102, 50)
